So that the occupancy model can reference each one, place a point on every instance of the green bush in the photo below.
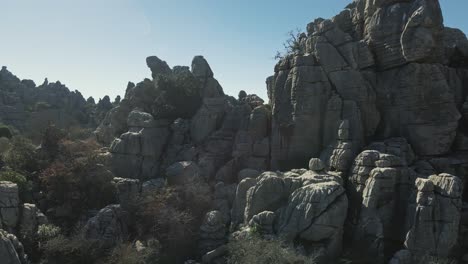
(14, 177)
(5, 131)
(254, 249)
(47, 232)
(73, 250)
(127, 253)
(21, 155)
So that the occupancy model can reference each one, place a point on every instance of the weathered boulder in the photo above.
(128, 190)
(437, 217)
(263, 222)
(240, 201)
(157, 66)
(109, 226)
(269, 194)
(9, 205)
(316, 165)
(31, 219)
(11, 250)
(316, 213)
(137, 153)
(182, 172)
(212, 232)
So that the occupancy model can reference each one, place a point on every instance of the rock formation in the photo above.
(29, 108)
(362, 147)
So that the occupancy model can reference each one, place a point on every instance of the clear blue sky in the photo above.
(97, 46)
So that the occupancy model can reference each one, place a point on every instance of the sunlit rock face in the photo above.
(388, 67)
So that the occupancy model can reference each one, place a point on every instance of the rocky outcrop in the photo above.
(303, 205)
(212, 232)
(369, 65)
(9, 205)
(316, 213)
(109, 226)
(137, 153)
(11, 250)
(31, 219)
(437, 218)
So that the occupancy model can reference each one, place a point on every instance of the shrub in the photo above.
(74, 250)
(51, 138)
(292, 44)
(78, 185)
(173, 215)
(21, 155)
(254, 249)
(78, 133)
(5, 131)
(127, 253)
(47, 232)
(15, 177)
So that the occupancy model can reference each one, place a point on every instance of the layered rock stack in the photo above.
(370, 65)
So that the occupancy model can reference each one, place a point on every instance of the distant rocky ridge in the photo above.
(28, 107)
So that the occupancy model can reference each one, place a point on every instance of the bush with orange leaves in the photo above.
(173, 216)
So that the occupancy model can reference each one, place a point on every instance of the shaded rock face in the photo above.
(379, 188)
(385, 66)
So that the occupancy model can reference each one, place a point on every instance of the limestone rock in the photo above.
(31, 219)
(108, 226)
(240, 201)
(437, 217)
(264, 222)
(137, 152)
(128, 190)
(316, 164)
(212, 232)
(9, 205)
(316, 213)
(157, 66)
(182, 172)
(11, 251)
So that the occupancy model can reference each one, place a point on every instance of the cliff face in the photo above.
(388, 67)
